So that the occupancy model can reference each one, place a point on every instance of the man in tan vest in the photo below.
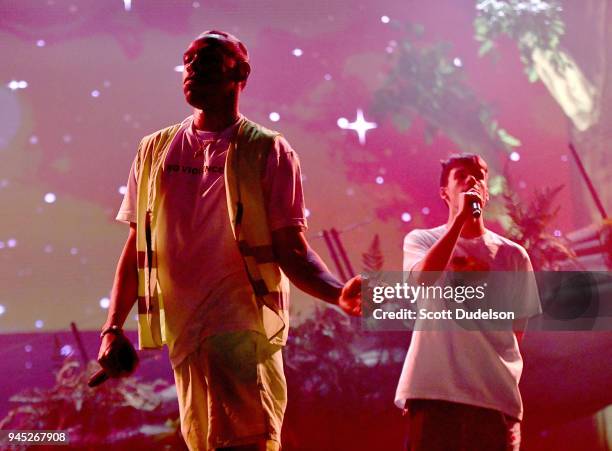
(217, 222)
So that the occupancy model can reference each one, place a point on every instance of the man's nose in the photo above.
(471, 180)
(188, 67)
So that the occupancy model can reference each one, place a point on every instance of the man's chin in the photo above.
(195, 100)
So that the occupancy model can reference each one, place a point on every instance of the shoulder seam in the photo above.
(161, 132)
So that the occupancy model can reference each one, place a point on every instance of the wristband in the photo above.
(114, 329)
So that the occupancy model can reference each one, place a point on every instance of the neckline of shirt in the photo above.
(477, 238)
(206, 135)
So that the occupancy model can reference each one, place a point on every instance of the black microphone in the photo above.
(476, 210)
(125, 358)
(98, 378)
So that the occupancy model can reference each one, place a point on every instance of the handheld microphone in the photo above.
(97, 378)
(126, 361)
(476, 210)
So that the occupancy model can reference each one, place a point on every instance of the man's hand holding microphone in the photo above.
(117, 356)
(471, 204)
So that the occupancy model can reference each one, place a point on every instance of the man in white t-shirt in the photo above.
(228, 372)
(460, 387)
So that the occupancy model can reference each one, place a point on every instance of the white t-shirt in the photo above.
(201, 273)
(480, 368)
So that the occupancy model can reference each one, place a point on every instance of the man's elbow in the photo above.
(289, 246)
(422, 276)
(289, 258)
(518, 327)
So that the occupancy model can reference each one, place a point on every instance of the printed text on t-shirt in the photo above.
(193, 170)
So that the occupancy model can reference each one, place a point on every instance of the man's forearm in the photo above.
(308, 272)
(125, 286)
(436, 260)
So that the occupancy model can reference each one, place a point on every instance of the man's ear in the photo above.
(487, 196)
(444, 194)
(242, 71)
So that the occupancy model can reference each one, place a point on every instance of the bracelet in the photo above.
(114, 329)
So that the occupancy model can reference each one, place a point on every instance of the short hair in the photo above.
(232, 44)
(456, 160)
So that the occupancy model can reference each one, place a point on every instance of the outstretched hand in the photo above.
(350, 298)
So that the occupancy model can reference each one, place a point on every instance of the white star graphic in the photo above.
(361, 126)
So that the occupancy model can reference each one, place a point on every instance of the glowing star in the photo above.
(361, 126)
(13, 85)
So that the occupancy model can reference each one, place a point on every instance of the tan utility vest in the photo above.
(244, 168)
